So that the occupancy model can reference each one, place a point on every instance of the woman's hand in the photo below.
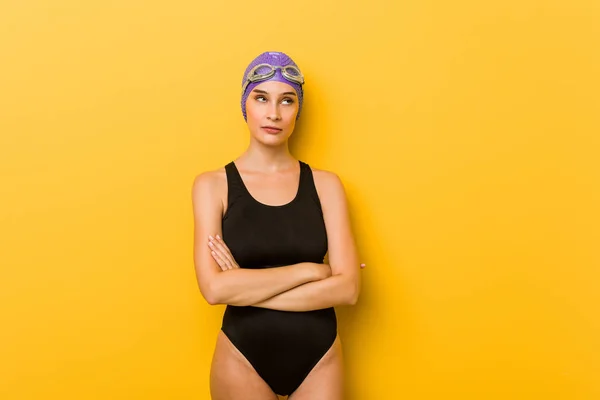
(221, 253)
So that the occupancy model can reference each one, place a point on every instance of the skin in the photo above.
(270, 174)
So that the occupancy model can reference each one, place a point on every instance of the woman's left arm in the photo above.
(343, 287)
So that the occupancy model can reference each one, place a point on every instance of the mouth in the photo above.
(271, 129)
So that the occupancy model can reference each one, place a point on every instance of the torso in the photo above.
(281, 227)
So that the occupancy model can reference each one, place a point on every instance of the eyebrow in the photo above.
(265, 92)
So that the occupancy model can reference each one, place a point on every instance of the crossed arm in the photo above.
(298, 287)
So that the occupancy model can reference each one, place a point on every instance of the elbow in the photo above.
(349, 291)
(214, 295)
(352, 295)
(352, 298)
(211, 299)
(211, 294)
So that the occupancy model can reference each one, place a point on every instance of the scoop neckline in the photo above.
(268, 205)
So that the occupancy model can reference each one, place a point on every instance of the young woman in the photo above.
(263, 226)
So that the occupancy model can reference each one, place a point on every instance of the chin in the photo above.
(272, 141)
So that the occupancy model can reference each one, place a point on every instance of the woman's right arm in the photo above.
(238, 286)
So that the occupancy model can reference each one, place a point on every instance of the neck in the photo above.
(266, 158)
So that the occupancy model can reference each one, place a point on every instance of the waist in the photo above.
(264, 322)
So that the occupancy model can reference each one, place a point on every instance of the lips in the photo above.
(271, 129)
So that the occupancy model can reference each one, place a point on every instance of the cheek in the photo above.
(291, 112)
(251, 110)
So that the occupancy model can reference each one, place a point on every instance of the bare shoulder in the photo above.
(210, 184)
(330, 187)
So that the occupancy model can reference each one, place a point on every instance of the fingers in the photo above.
(221, 253)
(218, 258)
(216, 254)
(223, 262)
(219, 261)
(224, 251)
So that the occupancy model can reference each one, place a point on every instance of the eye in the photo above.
(288, 100)
(261, 98)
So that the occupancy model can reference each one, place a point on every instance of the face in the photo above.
(272, 104)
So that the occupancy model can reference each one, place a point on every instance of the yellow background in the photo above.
(466, 133)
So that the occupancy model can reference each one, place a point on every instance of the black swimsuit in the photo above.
(282, 346)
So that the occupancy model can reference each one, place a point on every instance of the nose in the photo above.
(274, 114)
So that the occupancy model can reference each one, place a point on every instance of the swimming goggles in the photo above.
(262, 72)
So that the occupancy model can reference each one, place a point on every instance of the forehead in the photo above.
(275, 87)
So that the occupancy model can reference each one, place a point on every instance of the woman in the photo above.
(263, 226)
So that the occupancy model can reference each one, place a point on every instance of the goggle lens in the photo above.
(292, 71)
(262, 70)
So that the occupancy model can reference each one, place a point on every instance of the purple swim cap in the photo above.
(276, 59)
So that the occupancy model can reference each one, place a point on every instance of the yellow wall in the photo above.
(466, 133)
